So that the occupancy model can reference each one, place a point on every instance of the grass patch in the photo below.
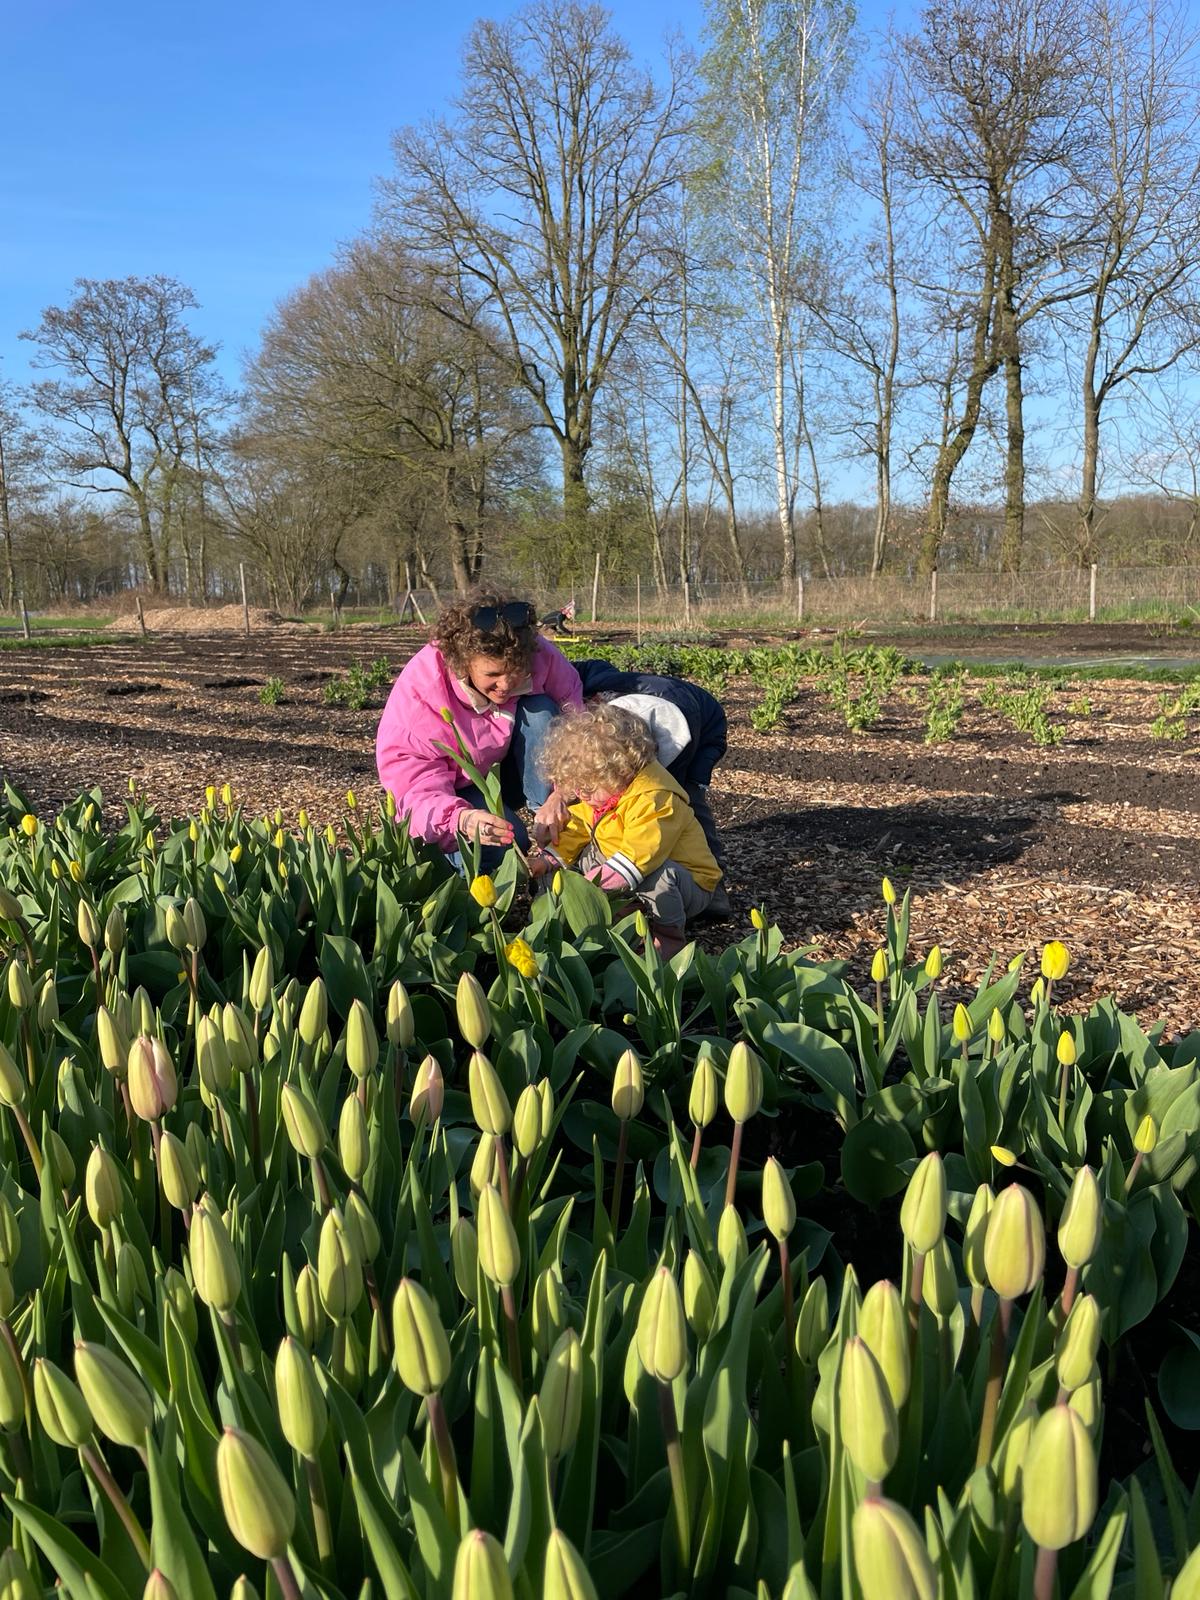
(61, 641)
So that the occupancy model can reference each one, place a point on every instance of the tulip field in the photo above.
(370, 1231)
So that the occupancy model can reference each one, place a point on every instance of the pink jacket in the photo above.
(424, 781)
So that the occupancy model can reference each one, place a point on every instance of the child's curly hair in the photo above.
(602, 748)
(460, 637)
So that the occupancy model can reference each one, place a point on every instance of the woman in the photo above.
(503, 684)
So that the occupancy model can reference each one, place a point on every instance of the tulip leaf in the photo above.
(1179, 1382)
(72, 1562)
(823, 1059)
(144, 1355)
(872, 1160)
(1099, 1574)
(380, 1525)
(345, 974)
(173, 1545)
(435, 1540)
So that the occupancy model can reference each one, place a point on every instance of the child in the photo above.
(689, 729)
(631, 827)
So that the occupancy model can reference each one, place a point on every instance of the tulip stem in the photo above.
(1062, 1094)
(255, 1132)
(285, 1578)
(94, 1461)
(502, 1173)
(510, 1325)
(444, 1445)
(377, 1306)
(320, 1511)
(1069, 1289)
(1135, 1166)
(30, 1052)
(995, 1381)
(322, 1184)
(735, 1155)
(670, 1428)
(915, 1289)
(789, 1312)
(31, 1144)
(879, 1011)
(164, 1208)
(614, 1210)
(1043, 1573)
(696, 1138)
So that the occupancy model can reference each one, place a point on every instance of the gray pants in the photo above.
(669, 894)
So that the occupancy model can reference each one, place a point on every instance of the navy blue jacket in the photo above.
(705, 714)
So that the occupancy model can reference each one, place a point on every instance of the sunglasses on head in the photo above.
(517, 614)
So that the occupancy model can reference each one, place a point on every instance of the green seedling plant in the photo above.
(271, 693)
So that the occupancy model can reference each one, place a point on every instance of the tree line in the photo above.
(793, 302)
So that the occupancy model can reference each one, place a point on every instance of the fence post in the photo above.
(933, 595)
(1092, 594)
(799, 598)
(245, 602)
(687, 601)
(141, 614)
(595, 584)
(24, 619)
(639, 608)
(333, 606)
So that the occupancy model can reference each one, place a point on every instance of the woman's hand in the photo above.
(550, 818)
(485, 827)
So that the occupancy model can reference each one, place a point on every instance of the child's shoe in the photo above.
(668, 939)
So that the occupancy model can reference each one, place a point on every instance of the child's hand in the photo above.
(539, 864)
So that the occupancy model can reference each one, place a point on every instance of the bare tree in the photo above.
(21, 456)
(1141, 313)
(543, 194)
(775, 71)
(133, 383)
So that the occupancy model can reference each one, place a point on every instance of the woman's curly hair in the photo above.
(602, 748)
(460, 638)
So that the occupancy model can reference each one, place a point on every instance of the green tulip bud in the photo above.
(1014, 1248)
(866, 1414)
(159, 1587)
(362, 1042)
(743, 1082)
(546, 1101)
(527, 1121)
(262, 980)
(1079, 1344)
(12, 1080)
(61, 1408)
(141, 1018)
(339, 1268)
(699, 1296)
(422, 1349)
(1187, 1584)
(1037, 992)
(299, 1400)
(354, 1140)
(8, 1299)
(177, 1172)
(812, 1324)
(102, 1191)
(702, 1100)
(499, 1252)
(20, 987)
(1059, 1484)
(243, 1589)
(12, 1390)
(258, 1504)
(883, 1327)
(176, 929)
(923, 1209)
(996, 1028)
(628, 1090)
(1085, 1401)
(114, 932)
(216, 1271)
(561, 1395)
(489, 1103)
(933, 963)
(153, 1086)
(193, 921)
(87, 925)
(778, 1202)
(480, 1570)
(939, 1286)
(428, 1091)
(473, 1012)
(361, 1225)
(1079, 1226)
(400, 1026)
(58, 1154)
(974, 1235)
(309, 1310)
(889, 1554)
(212, 1057)
(1146, 1137)
(117, 1398)
(732, 1249)
(112, 1041)
(548, 1312)
(304, 1124)
(133, 1286)
(239, 1037)
(662, 1328)
(182, 1301)
(464, 1256)
(485, 1165)
(565, 1576)
(879, 966)
(47, 1004)
(961, 1025)
(16, 1580)
(314, 1014)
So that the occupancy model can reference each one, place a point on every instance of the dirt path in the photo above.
(1096, 841)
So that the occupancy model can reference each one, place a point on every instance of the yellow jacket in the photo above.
(651, 823)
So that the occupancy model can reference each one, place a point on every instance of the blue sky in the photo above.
(229, 145)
